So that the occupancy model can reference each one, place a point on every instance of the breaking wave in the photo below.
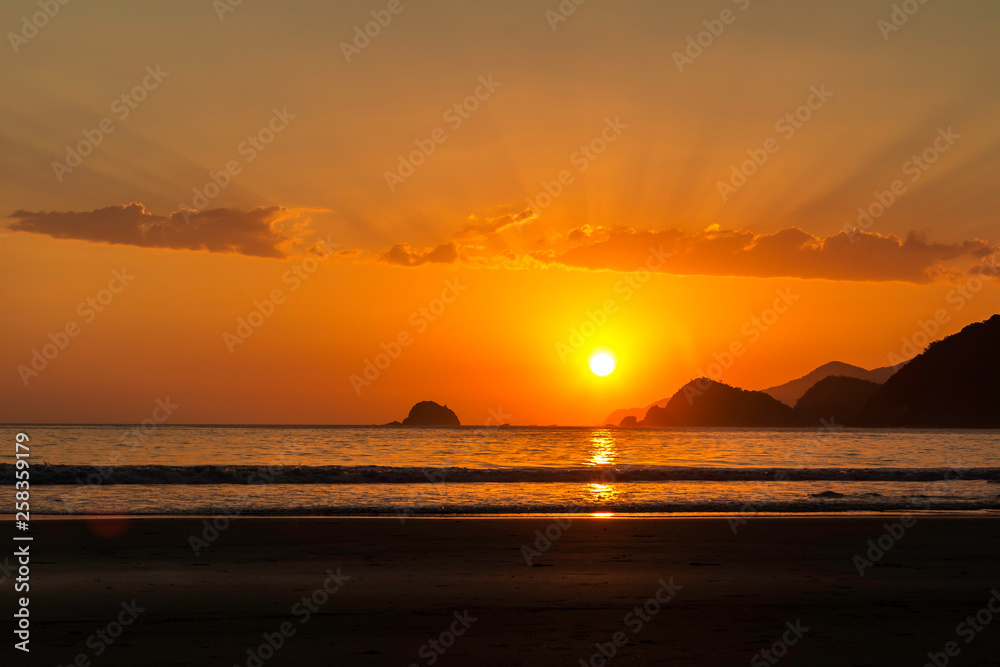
(42, 474)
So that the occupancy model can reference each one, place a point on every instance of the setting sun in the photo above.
(602, 363)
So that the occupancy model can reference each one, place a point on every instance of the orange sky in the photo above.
(594, 112)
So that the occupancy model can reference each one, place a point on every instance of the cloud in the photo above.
(855, 255)
(791, 252)
(989, 268)
(481, 242)
(253, 232)
(403, 255)
(586, 233)
(351, 253)
(481, 229)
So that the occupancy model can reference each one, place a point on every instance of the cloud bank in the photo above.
(792, 252)
(403, 255)
(512, 240)
(856, 255)
(254, 232)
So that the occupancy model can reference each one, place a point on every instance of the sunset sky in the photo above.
(556, 158)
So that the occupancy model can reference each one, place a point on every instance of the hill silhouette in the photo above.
(704, 402)
(790, 392)
(837, 399)
(954, 383)
(429, 413)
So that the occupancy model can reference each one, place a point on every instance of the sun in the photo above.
(602, 363)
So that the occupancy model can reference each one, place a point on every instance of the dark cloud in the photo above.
(253, 232)
(855, 255)
(403, 255)
(792, 252)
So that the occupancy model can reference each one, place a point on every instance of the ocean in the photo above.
(377, 471)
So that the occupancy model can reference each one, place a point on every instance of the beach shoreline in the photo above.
(399, 585)
(514, 516)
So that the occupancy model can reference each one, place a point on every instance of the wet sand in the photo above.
(465, 583)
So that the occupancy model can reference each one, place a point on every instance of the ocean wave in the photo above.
(44, 474)
(476, 509)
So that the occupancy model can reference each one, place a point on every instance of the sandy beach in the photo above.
(679, 591)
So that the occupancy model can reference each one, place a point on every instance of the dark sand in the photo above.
(406, 580)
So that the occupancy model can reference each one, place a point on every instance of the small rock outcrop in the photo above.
(429, 413)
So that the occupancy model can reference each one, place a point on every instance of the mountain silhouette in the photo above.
(429, 413)
(954, 383)
(837, 399)
(704, 402)
(790, 392)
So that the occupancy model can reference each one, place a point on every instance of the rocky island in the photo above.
(429, 413)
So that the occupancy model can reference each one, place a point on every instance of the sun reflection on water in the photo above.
(603, 493)
(603, 449)
(603, 454)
